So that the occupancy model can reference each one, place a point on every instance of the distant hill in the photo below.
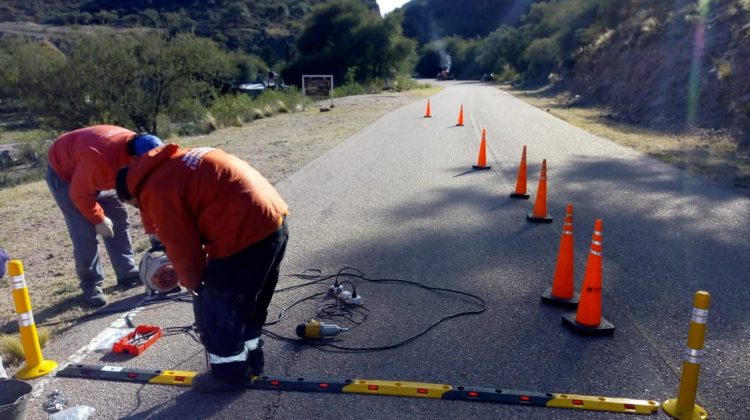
(266, 28)
(428, 20)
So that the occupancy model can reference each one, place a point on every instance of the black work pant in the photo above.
(232, 304)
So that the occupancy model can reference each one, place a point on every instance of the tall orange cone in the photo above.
(539, 214)
(461, 117)
(561, 292)
(521, 179)
(427, 112)
(587, 320)
(482, 160)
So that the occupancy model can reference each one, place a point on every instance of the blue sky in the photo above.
(388, 5)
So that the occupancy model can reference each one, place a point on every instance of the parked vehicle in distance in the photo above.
(272, 82)
(445, 75)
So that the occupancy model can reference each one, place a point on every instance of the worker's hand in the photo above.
(105, 228)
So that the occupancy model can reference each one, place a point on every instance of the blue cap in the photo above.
(3, 260)
(142, 143)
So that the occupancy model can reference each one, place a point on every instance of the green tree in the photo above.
(344, 34)
(501, 48)
(165, 71)
(543, 56)
(430, 61)
(453, 53)
(237, 14)
(130, 79)
(26, 69)
(556, 31)
(105, 17)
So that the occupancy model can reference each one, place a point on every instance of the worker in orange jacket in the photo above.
(223, 226)
(81, 177)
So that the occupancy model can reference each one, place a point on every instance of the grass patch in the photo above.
(65, 288)
(11, 348)
(399, 84)
(26, 136)
(236, 110)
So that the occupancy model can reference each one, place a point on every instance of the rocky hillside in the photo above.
(667, 67)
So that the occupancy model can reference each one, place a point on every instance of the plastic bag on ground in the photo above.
(78, 412)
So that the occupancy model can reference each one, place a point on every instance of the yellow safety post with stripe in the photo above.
(375, 387)
(684, 406)
(35, 365)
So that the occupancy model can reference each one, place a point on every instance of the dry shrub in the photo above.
(11, 348)
(208, 123)
(267, 110)
(281, 107)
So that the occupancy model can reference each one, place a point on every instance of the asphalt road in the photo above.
(399, 200)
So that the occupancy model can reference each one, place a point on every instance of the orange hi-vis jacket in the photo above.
(204, 204)
(88, 159)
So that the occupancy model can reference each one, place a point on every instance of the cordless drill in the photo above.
(315, 329)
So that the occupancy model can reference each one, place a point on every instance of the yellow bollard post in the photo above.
(35, 366)
(684, 407)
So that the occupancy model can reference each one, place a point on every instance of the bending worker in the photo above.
(223, 226)
(81, 176)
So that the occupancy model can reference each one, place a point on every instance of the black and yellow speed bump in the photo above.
(374, 387)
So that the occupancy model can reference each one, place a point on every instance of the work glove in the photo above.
(104, 229)
(3, 260)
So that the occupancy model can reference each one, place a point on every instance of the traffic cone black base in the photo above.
(551, 300)
(604, 328)
(533, 219)
(520, 196)
(481, 167)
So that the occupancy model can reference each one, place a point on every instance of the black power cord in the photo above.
(316, 276)
(354, 313)
(147, 301)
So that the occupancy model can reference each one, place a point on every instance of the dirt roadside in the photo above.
(710, 153)
(33, 231)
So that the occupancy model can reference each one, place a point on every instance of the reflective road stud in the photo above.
(35, 366)
(684, 407)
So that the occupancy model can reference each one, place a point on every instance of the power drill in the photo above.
(315, 329)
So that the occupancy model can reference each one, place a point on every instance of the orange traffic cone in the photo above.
(461, 117)
(482, 160)
(561, 292)
(588, 319)
(539, 214)
(427, 112)
(521, 179)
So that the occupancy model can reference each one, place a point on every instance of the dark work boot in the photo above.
(255, 360)
(129, 282)
(94, 297)
(206, 383)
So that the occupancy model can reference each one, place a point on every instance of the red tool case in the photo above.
(137, 341)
